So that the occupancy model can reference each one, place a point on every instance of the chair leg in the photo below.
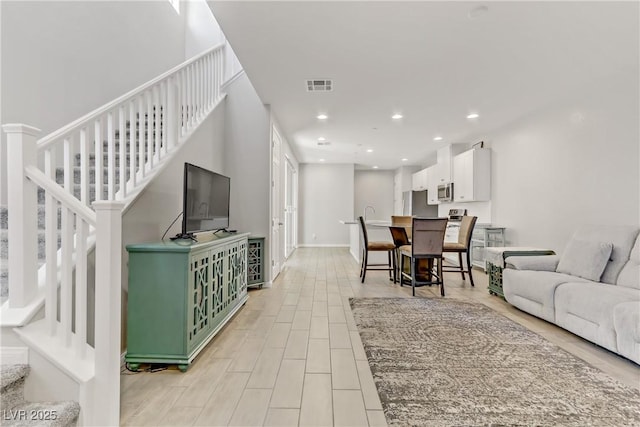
(441, 277)
(364, 265)
(461, 264)
(390, 265)
(413, 276)
(361, 263)
(395, 266)
(401, 267)
(469, 268)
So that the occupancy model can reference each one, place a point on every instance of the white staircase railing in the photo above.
(88, 172)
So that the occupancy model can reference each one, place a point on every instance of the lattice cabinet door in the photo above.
(241, 272)
(255, 262)
(233, 261)
(199, 297)
(218, 299)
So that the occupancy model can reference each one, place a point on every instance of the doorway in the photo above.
(290, 208)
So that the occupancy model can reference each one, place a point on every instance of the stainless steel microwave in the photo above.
(445, 192)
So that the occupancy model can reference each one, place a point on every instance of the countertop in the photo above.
(371, 223)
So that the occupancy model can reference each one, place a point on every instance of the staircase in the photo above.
(17, 412)
(149, 135)
(61, 231)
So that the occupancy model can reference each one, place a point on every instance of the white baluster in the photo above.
(142, 137)
(21, 203)
(82, 230)
(51, 246)
(190, 103)
(171, 116)
(156, 121)
(99, 159)
(108, 300)
(66, 274)
(84, 167)
(133, 140)
(149, 129)
(122, 164)
(183, 103)
(111, 157)
(67, 167)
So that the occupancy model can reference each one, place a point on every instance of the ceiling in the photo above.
(432, 62)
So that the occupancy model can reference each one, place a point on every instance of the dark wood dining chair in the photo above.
(368, 246)
(400, 239)
(426, 245)
(462, 246)
(402, 221)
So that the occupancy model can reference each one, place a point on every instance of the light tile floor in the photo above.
(293, 356)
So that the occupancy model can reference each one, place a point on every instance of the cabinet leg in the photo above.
(133, 366)
(183, 368)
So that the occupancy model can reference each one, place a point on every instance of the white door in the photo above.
(290, 208)
(276, 205)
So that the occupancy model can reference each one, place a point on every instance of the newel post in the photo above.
(107, 313)
(22, 204)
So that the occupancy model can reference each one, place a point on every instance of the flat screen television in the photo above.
(205, 200)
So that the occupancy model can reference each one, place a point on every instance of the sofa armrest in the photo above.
(536, 262)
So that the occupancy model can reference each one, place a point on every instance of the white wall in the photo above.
(201, 28)
(575, 162)
(61, 60)
(326, 196)
(374, 188)
(247, 159)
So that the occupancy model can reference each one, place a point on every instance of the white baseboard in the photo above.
(336, 245)
(14, 355)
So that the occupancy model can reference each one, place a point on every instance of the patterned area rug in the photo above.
(440, 362)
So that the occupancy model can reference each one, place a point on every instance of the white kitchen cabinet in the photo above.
(472, 176)
(419, 180)
(445, 155)
(432, 188)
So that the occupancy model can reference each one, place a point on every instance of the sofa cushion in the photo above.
(629, 277)
(586, 309)
(622, 237)
(626, 321)
(584, 258)
(533, 291)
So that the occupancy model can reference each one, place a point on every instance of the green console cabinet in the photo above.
(181, 293)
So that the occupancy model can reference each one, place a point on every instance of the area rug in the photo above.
(441, 362)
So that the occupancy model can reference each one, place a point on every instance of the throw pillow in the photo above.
(585, 259)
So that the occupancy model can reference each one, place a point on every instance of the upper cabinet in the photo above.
(444, 174)
(472, 176)
(419, 180)
(432, 187)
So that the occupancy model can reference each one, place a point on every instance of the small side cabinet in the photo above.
(255, 262)
(181, 294)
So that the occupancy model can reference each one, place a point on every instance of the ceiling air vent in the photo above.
(324, 143)
(321, 85)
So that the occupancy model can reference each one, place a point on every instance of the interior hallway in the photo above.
(293, 356)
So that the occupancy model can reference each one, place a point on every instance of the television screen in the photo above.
(205, 200)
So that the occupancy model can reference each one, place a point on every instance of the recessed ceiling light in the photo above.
(396, 116)
(322, 138)
(473, 116)
(375, 167)
(369, 150)
(405, 159)
(437, 138)
(322, 116)
(322, 160)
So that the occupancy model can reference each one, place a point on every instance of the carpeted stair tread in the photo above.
(32, 414)
(12, 390)
(10, 374)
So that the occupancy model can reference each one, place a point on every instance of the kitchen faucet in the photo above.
(365, 211)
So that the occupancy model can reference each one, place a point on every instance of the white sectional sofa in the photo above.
(591, 290)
